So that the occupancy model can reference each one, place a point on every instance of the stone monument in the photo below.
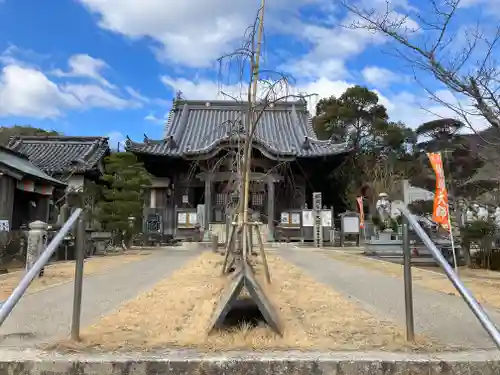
(482, 213)
(36, 243)
(383, 206)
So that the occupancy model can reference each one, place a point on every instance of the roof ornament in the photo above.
(146, 139)
(175, 101)
(77, 162)
(128, 142)
(171, 142)
(306, 145)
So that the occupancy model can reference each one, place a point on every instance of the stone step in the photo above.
(269, 363)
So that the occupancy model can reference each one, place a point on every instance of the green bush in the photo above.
(477, 230)
(378, 222)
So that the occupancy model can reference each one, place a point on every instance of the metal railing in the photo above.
(42, 261)
(467, 296)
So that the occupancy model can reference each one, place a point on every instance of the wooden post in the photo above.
(270, 209)
(263, 253)
(208, 207)
(78, 285)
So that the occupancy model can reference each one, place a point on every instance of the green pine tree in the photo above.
(122, 194)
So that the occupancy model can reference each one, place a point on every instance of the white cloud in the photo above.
(191, 32)
(151, 117)
(210, 90)
(201, 89)
(380, 77)
(403, 106)
(25, 90)
(93, 96)
(28, 92)
(137, 95)
(116, 140)
(307, 68)
(86, 66)
(145, 99)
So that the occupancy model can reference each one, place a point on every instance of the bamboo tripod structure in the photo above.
(241, 227)
(239, 246)
(233, 257)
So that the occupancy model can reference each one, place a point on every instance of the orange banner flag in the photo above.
(440, 213)
(361, 212)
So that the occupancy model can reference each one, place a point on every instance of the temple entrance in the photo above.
(28, 207)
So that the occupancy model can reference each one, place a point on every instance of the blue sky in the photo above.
(111, 67)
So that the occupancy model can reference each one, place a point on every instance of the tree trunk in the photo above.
(486, 246)
(466, 253)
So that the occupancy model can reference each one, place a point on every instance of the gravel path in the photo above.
(443, 317)
(46, 314)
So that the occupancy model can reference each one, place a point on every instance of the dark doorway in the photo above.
(25, 208)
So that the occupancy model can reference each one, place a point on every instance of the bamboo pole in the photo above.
(247, 151)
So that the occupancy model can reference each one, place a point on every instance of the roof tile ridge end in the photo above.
(94, 147)
(14, 142)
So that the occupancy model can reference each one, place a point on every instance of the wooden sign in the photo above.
(307, 218)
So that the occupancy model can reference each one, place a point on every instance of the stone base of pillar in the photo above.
(206, 234)
(270, 234)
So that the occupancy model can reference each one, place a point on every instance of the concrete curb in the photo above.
(269, 363)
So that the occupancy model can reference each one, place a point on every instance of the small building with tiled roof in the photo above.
(26, 190)
(74, 160)
(196, 159)
(62, 155)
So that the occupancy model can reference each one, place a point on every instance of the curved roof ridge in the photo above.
(66, 138)
(198, 127)
(57, 154)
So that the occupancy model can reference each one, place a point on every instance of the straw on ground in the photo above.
(61, 272)
(177, 311)
(483, 284)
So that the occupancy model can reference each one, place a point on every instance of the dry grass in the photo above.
(485, 285)
(177, 311)
(61, 272)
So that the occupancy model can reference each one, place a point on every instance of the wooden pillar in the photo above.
(270, 209)
(7, 189)
(42, 208)
(208, 207)
(152, 200)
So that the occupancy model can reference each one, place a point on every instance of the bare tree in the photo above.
(261, 89)
(462, 58)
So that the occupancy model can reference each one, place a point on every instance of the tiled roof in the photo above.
(201, 127)
(61, 154)
(20, 163)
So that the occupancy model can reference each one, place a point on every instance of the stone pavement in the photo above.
(443, 317)
(46, 314)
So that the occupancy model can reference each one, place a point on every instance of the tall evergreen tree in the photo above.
(125, 180)
(380, 148)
